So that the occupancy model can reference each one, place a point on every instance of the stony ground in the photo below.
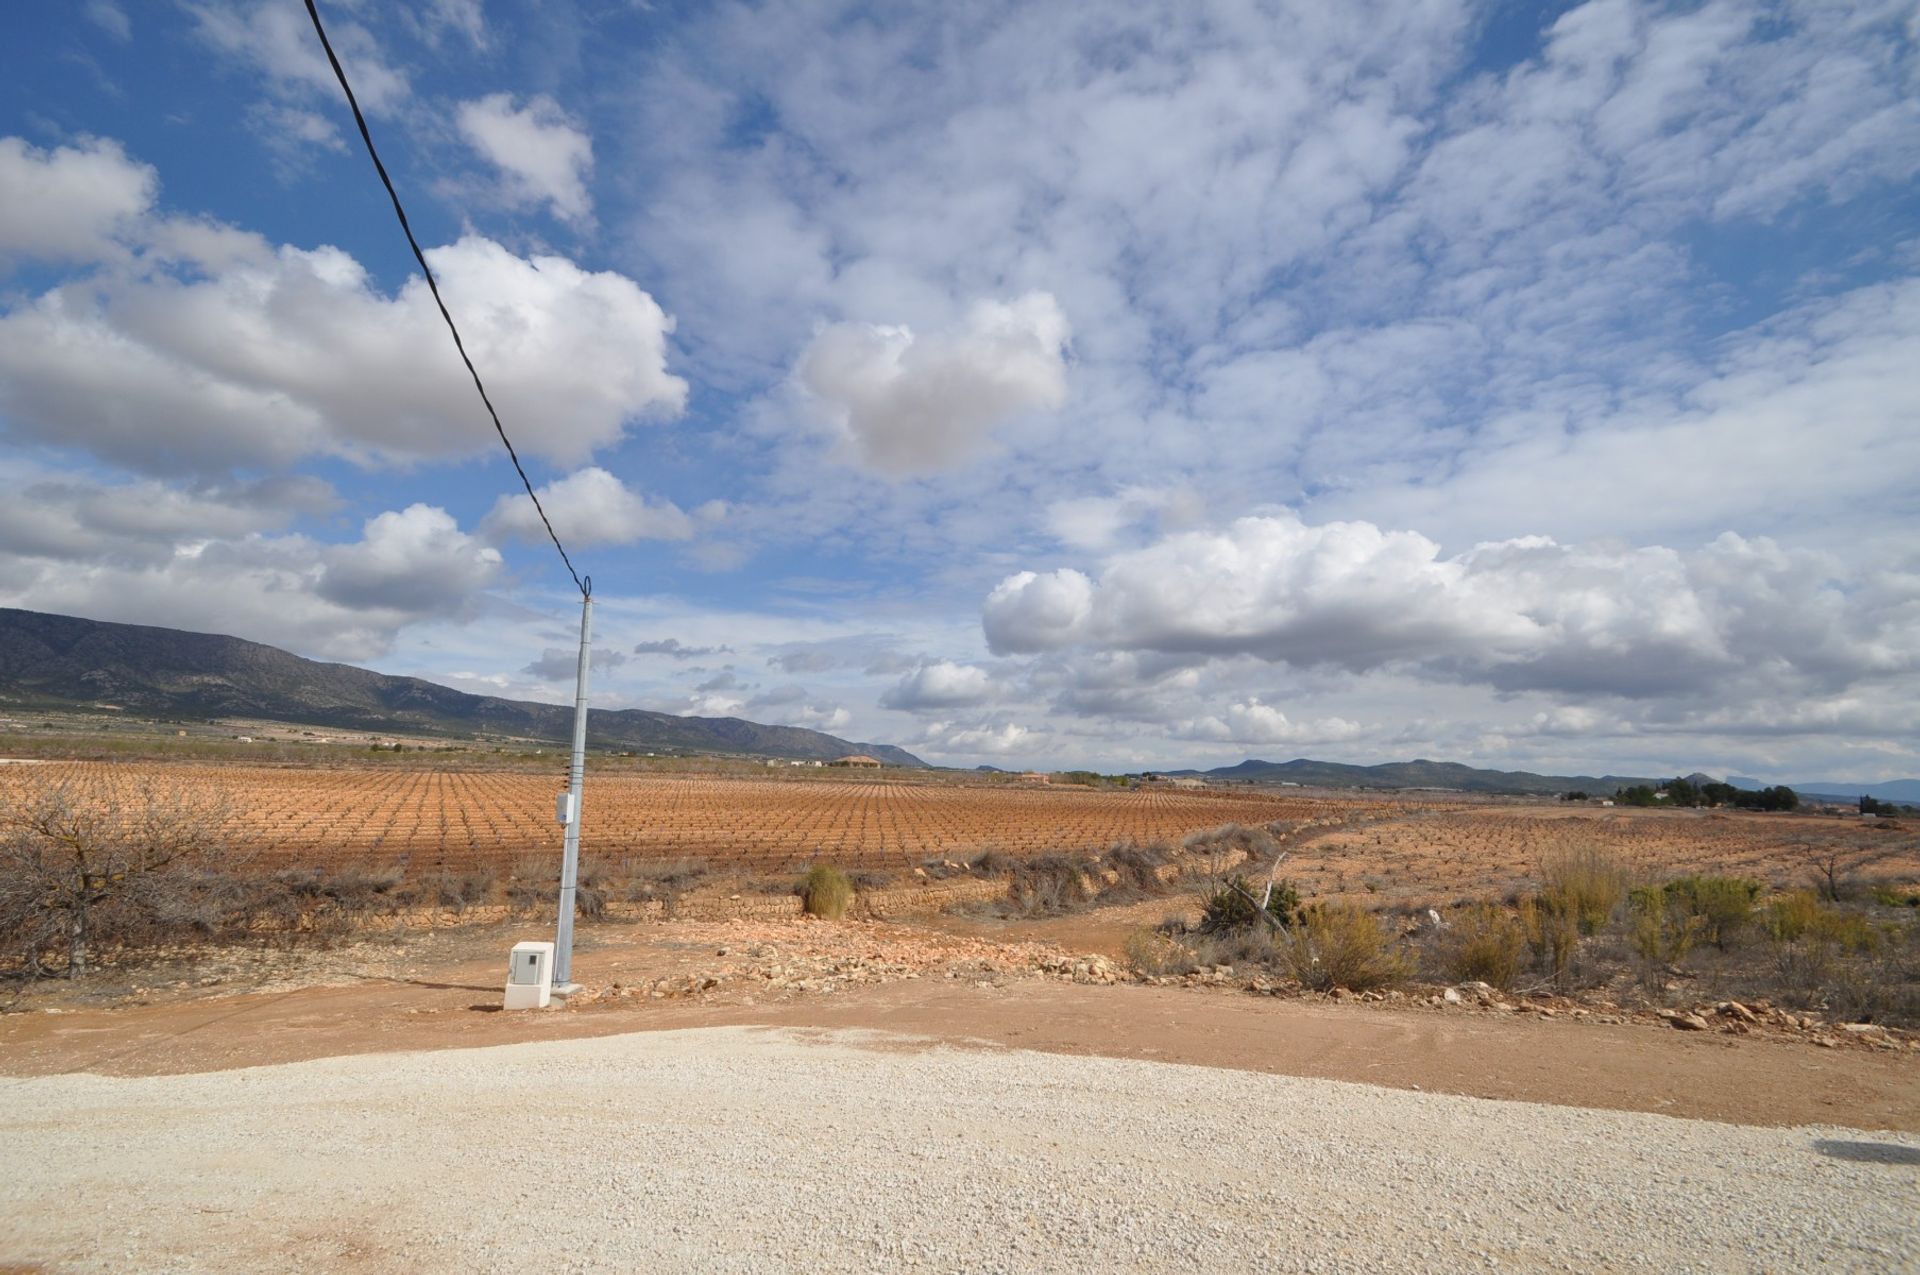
(750, 1150)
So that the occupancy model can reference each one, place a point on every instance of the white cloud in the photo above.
(414, 559)
(261, 360)
(111, 18)
(1254, 723)
(543, 154)
(65, 518)
(907, 404)
(1524, 614)
(587, 507)
(71, 203)
(954, 739)
(941, 684)
(343, 601)
(277, 42)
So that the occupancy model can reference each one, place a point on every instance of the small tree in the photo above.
(78, 875)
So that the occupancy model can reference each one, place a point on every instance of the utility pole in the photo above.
(569, 808)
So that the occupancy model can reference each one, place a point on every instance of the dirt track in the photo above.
(444, 993)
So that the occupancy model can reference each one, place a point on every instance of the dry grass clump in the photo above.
(1486, 943)
(1583, 883)
(1157, 954)
(1341, 945)
(826, 892)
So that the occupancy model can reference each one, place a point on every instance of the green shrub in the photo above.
(1723, 905)
(1790, 915)
(1235, 907)
(1662, 930)
(1340, 945)
(826, 892)
(1897, 896)
(1487, 943)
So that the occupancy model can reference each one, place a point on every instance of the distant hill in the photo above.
(60, 659)
(1901, 790)
(1420, 774)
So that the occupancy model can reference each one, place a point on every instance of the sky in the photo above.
(1123, 385)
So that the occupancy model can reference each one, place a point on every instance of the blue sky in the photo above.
(1121, 385)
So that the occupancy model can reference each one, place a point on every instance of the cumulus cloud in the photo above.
(1524, 614)
(957, 739)
(543, 154)
(941, 684)
(414, 559)
(271, 356)
(334, 601)
(70, 203)
(1254, 723)
(72, 519)
(588, 507)
(907, 404)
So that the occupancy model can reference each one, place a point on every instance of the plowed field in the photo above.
(425, 819)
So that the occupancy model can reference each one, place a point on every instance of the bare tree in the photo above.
(76, 874)
(1835, 861)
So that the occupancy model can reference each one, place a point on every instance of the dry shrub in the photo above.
(79, 879)
(1340, 945)
(1216, 845)
(1137, 867)
(1586, 883)
(1050, 883)
(1152, 953)
(1487, 943)
(826, 892)
(1552, 929)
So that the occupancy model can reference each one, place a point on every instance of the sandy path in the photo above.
(739, 1149)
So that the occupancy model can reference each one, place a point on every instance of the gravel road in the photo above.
(735, 1149)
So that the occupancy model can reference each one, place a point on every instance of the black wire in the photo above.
(340, 74)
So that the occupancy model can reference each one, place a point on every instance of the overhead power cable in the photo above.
(585, 585)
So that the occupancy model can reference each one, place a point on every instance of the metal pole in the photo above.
(576, 779)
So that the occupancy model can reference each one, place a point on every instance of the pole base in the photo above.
(563, 990)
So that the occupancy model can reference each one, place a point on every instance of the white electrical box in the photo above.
(565, 808)
(530, 976)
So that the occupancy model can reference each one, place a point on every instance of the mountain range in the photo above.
(48, 660)
(1453, 775)
(1416, 774)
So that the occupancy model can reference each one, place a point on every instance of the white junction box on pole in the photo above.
(530, 976)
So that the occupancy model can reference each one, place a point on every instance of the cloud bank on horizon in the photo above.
(1136, 384)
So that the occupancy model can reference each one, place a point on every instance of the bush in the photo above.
(1235, 907)
(1049, 883)
(1585, 884)
(1216, 845)
(1663, 931)
(1488, 944)
(826, 892)
(1723, 905)
(1552, 928)
(1791, 915)
(1340, 945)
(1153, 953)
